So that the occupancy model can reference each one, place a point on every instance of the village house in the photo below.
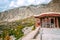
(48, 20)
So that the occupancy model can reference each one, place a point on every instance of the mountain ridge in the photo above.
(23, 12)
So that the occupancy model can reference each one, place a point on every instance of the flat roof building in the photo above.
(48, 20)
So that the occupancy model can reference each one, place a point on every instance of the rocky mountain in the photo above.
(27, 11)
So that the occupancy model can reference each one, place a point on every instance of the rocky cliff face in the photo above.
(23, 12)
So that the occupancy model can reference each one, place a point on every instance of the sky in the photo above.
(9, 4)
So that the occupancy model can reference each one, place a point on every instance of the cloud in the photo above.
(12, 4)
(31, 1)
(20, 2)
(27, 2)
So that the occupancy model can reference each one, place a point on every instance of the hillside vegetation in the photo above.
(15, 28)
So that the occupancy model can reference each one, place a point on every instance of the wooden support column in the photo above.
(54, 23)
(49, 22)
(57, 23)
(46, 22)
(42, 22)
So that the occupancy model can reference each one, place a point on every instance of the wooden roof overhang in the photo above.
(48, 15)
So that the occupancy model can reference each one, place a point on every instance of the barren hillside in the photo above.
(27, 11)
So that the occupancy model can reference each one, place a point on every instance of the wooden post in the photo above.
(40, 22)
(46, 22)
(49, 22)
(43, 23)
(54, 22)
(57, 22)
